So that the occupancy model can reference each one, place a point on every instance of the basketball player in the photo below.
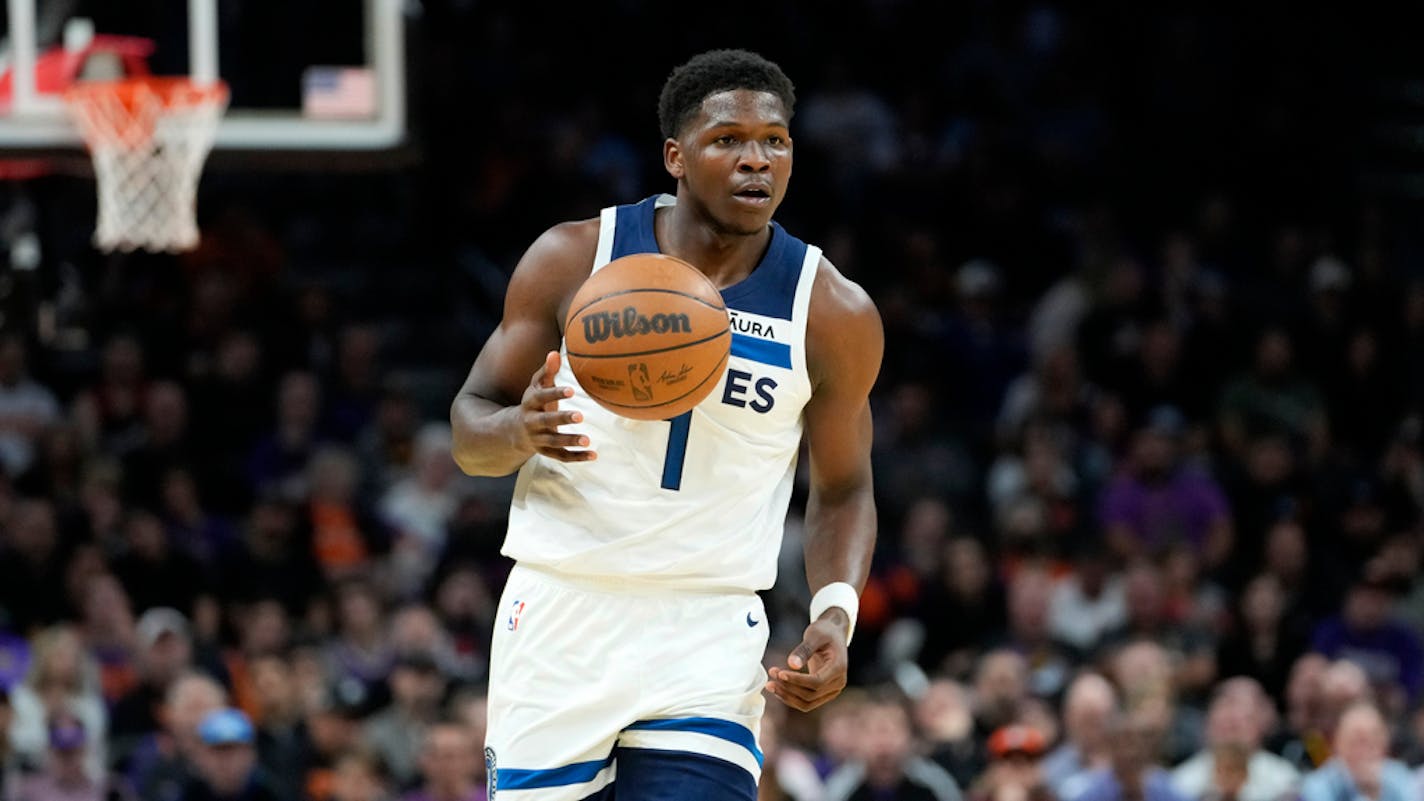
(628, 652)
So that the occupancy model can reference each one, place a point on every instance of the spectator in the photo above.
(31, 568)
(1191, 647)
(273, 557)
(1364, 630)
(360, 776)
(347, 533)
(109, 630)
(360, 649)
(283, 743)
(1273, 400)
(1264, 643)
(163, 445)
(1159, 500)
(886, 763)
(1089, 602)
(62, 681)
(227, 761)
(420, 506)
(1049, 662)
(164, 653)
(278, 461)
(27, 407)
(944, 718)
(1015, 767)
(396, 732)
(154, 572)
(109, 411)
(1001, 690)
(333, 726)
(1135, 770)
(1360, 767)
(64, 775)
(1234, 722)
(787, 773)
(164, 764)
(448, 765)
(964, 610)
(1145, 676)
(1089, 705)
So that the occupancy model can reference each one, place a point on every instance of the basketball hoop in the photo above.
(148, 137)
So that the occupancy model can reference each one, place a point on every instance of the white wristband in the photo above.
(839, 594)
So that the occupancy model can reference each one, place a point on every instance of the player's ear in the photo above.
(672, 159)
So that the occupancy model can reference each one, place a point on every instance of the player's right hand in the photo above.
(540, 416)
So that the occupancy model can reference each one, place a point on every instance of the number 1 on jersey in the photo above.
(676, 450)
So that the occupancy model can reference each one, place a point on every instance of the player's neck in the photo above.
(725, 257)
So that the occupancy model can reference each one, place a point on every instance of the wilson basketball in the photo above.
(648, 336)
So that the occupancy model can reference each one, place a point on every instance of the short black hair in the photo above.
(718, 71)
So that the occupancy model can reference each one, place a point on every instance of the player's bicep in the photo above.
(848, 354)
(511, 354)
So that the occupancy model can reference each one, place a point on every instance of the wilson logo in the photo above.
(602, 325)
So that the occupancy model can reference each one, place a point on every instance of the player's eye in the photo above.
(775, 141)
(726, 139)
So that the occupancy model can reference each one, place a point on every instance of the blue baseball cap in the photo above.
(226, 727)
(66, 734)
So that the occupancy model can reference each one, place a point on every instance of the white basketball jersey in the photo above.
(698, 501)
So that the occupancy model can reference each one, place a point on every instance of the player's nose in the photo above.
(755, 158)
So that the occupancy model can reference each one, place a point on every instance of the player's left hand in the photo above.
(816, 669)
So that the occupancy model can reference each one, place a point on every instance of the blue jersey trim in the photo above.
(776, 354)
(712, 727)
(577, 773)
(770, 289)
(650, 774)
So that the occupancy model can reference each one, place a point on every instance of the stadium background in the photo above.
(1153, 286)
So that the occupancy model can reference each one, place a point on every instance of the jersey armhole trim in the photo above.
(607, 224)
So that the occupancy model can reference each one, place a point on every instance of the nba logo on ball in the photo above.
(515, 610)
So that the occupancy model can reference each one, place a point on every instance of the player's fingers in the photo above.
(549, 370)
(560, 441)
(552, 420)
(546, 398)
(799, 697)
(565, 455)
(809, 681)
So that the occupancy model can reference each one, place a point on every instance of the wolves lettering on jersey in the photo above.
(702, 502)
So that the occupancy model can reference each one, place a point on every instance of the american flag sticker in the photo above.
(338, 92)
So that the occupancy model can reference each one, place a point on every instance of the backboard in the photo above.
(304, 75)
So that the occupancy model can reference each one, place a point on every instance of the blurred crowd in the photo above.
(1149, 444)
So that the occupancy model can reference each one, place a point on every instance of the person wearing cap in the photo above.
(1014, 772)
(165, 651)
(164, 762)
(227, 761)
(63, 776)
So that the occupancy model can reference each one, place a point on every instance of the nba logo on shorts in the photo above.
(515, 610)
(491, 774)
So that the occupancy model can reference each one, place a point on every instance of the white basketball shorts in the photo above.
(585, 671)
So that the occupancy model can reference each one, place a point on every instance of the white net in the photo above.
(149, 139)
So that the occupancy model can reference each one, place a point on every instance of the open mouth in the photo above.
(754, 194)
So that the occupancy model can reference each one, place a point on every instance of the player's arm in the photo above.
(845, 343)
(508, 408)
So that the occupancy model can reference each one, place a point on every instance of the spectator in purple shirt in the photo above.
(1160, 500)
(1364, 632)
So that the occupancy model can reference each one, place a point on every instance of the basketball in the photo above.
(647, 336)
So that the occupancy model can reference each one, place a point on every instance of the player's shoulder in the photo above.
(564, 246)
(838, 301)
(844, 332)
(555, 264)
